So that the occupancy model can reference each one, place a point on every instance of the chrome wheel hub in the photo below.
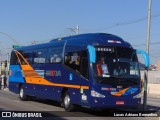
(21, 93)
(67, 101)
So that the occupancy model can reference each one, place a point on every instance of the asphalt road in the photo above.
(11, 102)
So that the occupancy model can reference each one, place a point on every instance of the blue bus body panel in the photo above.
(15, 78)
(16, 74)
(110, 100)
(64, 76)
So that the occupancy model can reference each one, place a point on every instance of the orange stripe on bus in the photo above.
(42, 81)
(32, 77)
(120, 92)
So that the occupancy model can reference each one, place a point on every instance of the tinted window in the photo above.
(78, 61)
(14, 59)
(84, 64)
(72, 59)
(28, 56)
(54, 55)
(126, 53)
(116, 61)
(39, 56)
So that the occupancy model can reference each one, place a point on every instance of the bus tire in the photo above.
(67, 103)
(22, 95)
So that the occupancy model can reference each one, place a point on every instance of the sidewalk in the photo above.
(6, 89)
(152, 95)
(153, 89)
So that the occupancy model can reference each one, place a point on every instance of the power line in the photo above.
(124, 23)
(153, 43)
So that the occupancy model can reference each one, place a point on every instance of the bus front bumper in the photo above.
(115, 102)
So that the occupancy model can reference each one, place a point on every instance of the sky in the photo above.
(25, 22)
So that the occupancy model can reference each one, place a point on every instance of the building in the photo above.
(3, 65)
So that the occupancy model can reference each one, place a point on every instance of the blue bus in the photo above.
(94, 70)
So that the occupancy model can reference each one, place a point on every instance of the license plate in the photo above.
(119, 102)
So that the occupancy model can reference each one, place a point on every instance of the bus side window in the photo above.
(68, 60)
(14, 59)
(78, 61)
(28, 56)
(39, 56)
(72, 60)
(54, 55)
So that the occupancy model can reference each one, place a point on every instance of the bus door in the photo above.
(76, 61)
(84, 90)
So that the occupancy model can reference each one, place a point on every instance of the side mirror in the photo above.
(145, 56)
(92, 53)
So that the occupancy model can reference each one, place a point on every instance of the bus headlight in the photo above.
(139, 95)
(96, 94)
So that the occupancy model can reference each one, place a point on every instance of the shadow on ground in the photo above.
(86, 112)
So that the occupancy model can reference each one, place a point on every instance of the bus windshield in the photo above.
(116, 62)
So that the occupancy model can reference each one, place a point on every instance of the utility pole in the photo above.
(8, 62)
(7, 71)
(0, 63)
(148, 26)
(147, 49)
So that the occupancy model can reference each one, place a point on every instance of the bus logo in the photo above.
(70, 76)
(55, 73)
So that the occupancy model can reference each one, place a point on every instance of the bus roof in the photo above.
(83, 40)
(95, 39)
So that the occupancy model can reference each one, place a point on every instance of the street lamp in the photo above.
(11, 38)
(15, 41)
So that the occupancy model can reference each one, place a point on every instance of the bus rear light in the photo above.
(96, 94)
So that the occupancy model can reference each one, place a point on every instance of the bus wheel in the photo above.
(66, 102)
(22, 96)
